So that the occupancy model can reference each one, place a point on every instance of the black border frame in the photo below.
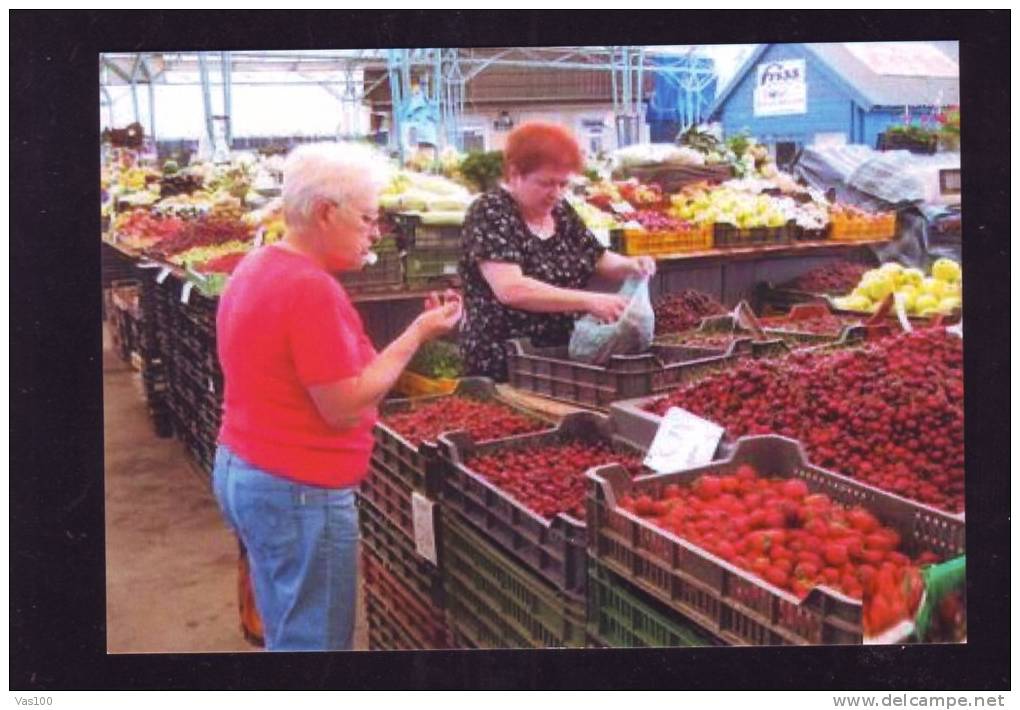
(57, 601)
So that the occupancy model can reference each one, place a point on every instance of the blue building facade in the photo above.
(838, 98)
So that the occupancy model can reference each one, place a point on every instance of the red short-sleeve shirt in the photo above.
(284, 324)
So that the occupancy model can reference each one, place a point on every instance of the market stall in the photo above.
(551, 511)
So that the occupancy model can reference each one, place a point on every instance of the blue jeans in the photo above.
(302, 550)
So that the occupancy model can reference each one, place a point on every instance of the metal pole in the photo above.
(203, 72)
(227, 100)
(152, 100)
(134, 85)
(395, 139)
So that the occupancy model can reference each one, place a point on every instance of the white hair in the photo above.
(334, 171)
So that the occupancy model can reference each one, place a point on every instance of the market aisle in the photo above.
(171, 564)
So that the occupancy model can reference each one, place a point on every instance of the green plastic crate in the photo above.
(620, 616)
(425, 265)
(494, 602)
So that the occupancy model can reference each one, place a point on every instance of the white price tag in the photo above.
(423, 518)
(260, 237)
(161, 277)
(602, 234)
(901, 313)
(147, 265)
(449, 269)
(186, 291)
(683, 441)
(956, 329)
(622, 207)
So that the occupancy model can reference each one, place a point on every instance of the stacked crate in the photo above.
(514, 578)
(150, 348)
(404, 593)
(187, 339)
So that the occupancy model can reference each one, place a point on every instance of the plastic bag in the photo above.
(596, 342)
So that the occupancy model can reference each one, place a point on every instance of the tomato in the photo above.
(807, 570)
(794, 488)
(831, 575)
(862, 520)
(643, 505)
(726, 550)
(708, 487)
(672, 491)
(835, 554)
(746, 472)
(627, 503)
(730, 484)
(775, 576)
(774, 519)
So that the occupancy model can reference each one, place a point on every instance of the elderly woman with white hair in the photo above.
(302, 382)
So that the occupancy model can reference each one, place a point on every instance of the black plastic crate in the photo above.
(421, 623)
(553, 548)
(398, 555)
(493, 602)
(549, 371)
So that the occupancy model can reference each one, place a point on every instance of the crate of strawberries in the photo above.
(766, 549)
(527, 492)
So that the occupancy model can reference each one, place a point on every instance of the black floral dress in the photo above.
(495, 230)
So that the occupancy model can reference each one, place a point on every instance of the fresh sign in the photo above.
(781, 88)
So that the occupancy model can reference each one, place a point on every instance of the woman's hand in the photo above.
(442, 313)
(643, 266)
(606, 307)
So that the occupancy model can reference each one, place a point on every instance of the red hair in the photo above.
(537, 144)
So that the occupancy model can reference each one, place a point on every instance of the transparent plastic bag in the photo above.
(596, 342)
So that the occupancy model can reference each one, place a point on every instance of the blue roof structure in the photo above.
(866, 87)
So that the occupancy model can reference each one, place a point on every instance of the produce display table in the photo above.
(730, 275)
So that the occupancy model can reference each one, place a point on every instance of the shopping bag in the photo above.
(596, 342)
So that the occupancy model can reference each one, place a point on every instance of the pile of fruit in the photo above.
(203, 232)
(889, 413)
(139, 228)
(179, 184)
(483, 420)
(550, 479)
(793, 539)
(221, 264)
(725, 205)
(714, 341)
(838, 277)
(939, 293)
(653, 221)
(848, 220)
(820, 325)
(684, 310)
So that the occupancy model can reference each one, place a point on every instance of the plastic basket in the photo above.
(426, 236)
(387, 272)
(426, 265)
(634, 242)
(411, 384)
(495, 603)
(422, 623)
(730, 603)
(397, 554)
(727, 236)
(553, 549)
(550, 372)
(620, 616)
(846, 228)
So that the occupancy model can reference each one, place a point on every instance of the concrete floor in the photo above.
(171, 562)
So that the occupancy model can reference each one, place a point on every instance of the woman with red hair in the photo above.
(528, 256)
